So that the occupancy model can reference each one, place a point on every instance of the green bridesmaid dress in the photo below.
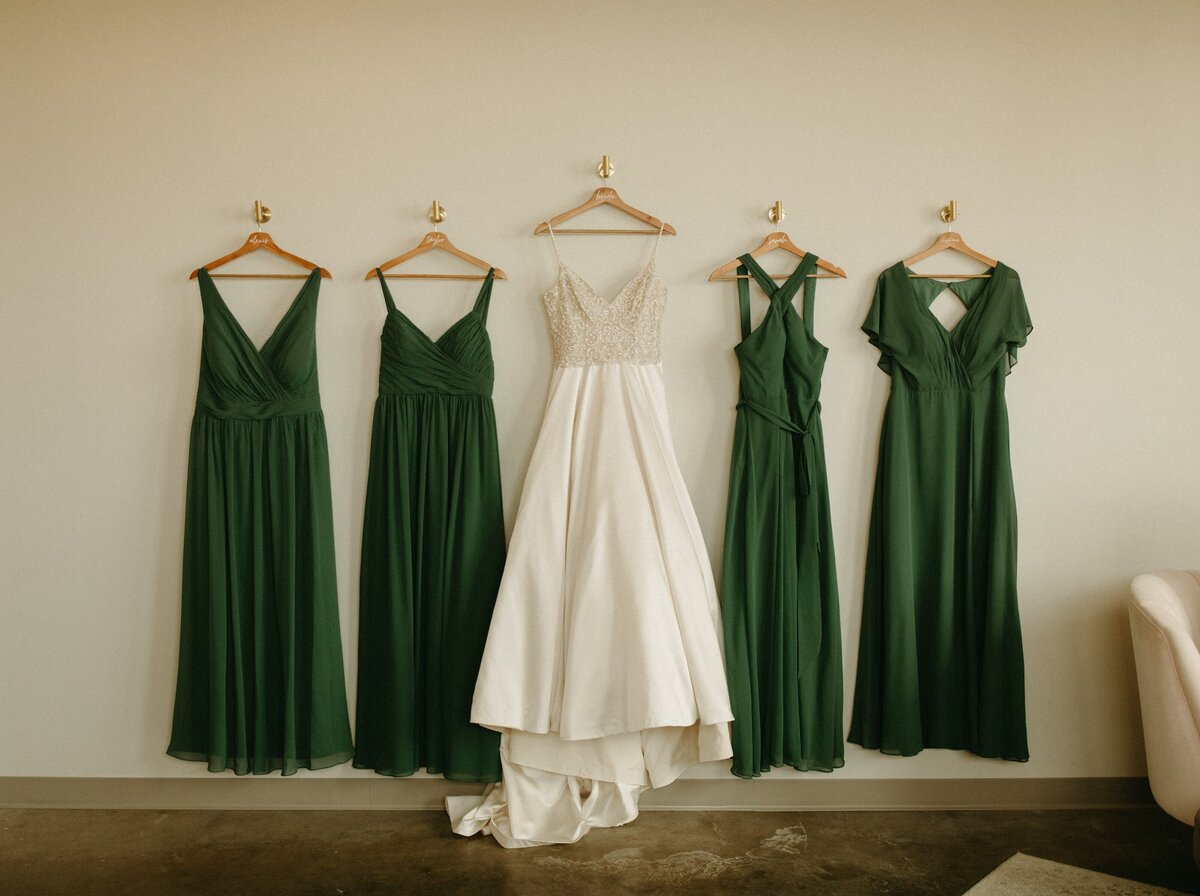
(940, 660)
(432, 552)
(260, 684)
(779, 602)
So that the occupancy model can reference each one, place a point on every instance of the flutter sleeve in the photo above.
(875, 326)
(1018, 326)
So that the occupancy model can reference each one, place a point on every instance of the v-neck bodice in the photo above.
(929, 357)
(457, 362)
(588, 329)
(238, 380)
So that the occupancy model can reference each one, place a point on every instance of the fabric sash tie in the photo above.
(809, 614)
(804, 461)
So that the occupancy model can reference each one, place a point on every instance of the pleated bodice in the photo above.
(457, 362)
(239, 381)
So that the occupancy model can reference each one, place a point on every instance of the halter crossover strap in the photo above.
(743, 287)
(783, 292)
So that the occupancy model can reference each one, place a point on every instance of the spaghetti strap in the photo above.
(484, 300)
(657, 240)
(554, 242)
(387, 293)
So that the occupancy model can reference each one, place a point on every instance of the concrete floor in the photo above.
(97, 852)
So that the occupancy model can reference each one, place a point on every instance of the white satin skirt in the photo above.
(603, 669)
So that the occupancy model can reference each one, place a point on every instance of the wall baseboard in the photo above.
(763, 794)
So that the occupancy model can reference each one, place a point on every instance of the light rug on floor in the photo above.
(1024, 875)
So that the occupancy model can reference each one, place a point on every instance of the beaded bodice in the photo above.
(587, 329)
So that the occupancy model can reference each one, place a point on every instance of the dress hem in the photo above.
(241, 767)
(800, 767)
(636, 728)
(893, 751)
(449, 776)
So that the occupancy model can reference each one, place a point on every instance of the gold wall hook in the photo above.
(262, 214)
(606, 168)
(437, 214)
(775, 212)
(950, 212)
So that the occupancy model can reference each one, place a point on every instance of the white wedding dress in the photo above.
(603, 669)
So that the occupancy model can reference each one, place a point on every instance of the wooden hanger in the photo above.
(776, 240)
(435, 239)
(606, 195)
(256, 241)
(952, 241)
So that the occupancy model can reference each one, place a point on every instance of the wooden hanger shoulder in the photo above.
(949, 241)
(773, 241)
(260, 241)
(436, 239)
(605, 196)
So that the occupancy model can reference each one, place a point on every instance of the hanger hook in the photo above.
(775, 213)
(262, 214)
(437, 214)
(605, 169)
(949, 214)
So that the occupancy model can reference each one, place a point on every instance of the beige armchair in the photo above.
(1164, 615)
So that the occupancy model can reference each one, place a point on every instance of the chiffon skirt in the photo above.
(260, 684)
(432, 555)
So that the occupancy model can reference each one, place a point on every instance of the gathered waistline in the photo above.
(435, 393)
(261, 410)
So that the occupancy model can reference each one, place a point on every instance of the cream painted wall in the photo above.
(136, 135)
